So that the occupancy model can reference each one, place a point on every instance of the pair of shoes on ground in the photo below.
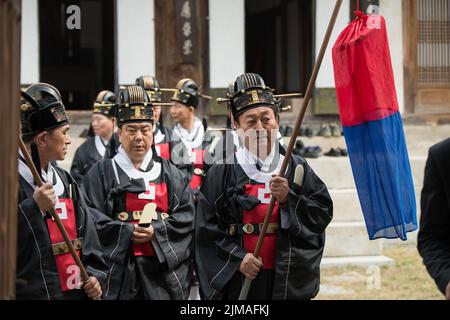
(329, 130)
(306, 132)
(307, 152)
(337, 152)
(303, 132)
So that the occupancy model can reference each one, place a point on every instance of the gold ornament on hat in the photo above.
(25, 107)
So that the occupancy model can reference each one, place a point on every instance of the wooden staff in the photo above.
(246, 285)
(55, 216)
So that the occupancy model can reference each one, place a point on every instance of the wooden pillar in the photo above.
(9, 103)
(181, 43)
(410, 54)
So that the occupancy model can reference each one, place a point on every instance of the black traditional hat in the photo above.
(134, 106)
(105, 103)
(188, 93)
(41, 109)
(249, 91)
(151, 85)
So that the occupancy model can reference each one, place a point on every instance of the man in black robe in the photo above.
(95, 148)
(161, 134)
(233, 203)
(148, 261)
(189, 139)
(434, 234)
(45, 268)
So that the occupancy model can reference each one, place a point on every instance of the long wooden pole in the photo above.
(55, 216)
(247, 282)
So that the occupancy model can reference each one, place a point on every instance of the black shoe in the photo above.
(288, 131)
(309, 132)
(311, 153)
(299, 145)
(302, 132)
(333, 153)
(344, 152)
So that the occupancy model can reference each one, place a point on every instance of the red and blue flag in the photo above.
(373, 129)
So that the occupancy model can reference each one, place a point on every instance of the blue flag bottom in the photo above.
(382, 174)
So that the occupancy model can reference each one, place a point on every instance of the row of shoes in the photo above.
(313, 152)
(337, 152)
(326, 130)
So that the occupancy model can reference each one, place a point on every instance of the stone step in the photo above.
(337, 173)
(348, 239)
(360, 261)
(347, 208)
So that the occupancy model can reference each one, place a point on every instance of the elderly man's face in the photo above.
(136, 139)
(258, 129)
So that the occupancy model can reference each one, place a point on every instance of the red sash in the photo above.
(68, 271)
(156, 193)
(256, 216)
(163, 150)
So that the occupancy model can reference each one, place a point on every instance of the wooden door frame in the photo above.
(410, 67)
(169, 66)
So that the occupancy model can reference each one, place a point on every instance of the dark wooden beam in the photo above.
(9, 91)
(410, 54)
(171, 63)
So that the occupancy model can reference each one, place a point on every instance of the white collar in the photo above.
(25, 172)
(191, 139)
(248, 161)
(280, 139)
(100, 145)
(124, 162)
(159, 136)
(236, 140)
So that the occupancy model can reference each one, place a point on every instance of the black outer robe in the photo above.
(434, 234)
(300, 242)
(169, 279)
(85, 157)
(36, 275)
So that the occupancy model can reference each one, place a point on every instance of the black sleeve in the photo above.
(115, 235)
(174, 234)
(92, 253)
(217, 256)
(434, 234)
(77, 166)
(309, 206)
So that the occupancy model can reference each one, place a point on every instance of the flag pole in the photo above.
(247, 282)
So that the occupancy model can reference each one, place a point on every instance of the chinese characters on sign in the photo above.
(186, 29)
